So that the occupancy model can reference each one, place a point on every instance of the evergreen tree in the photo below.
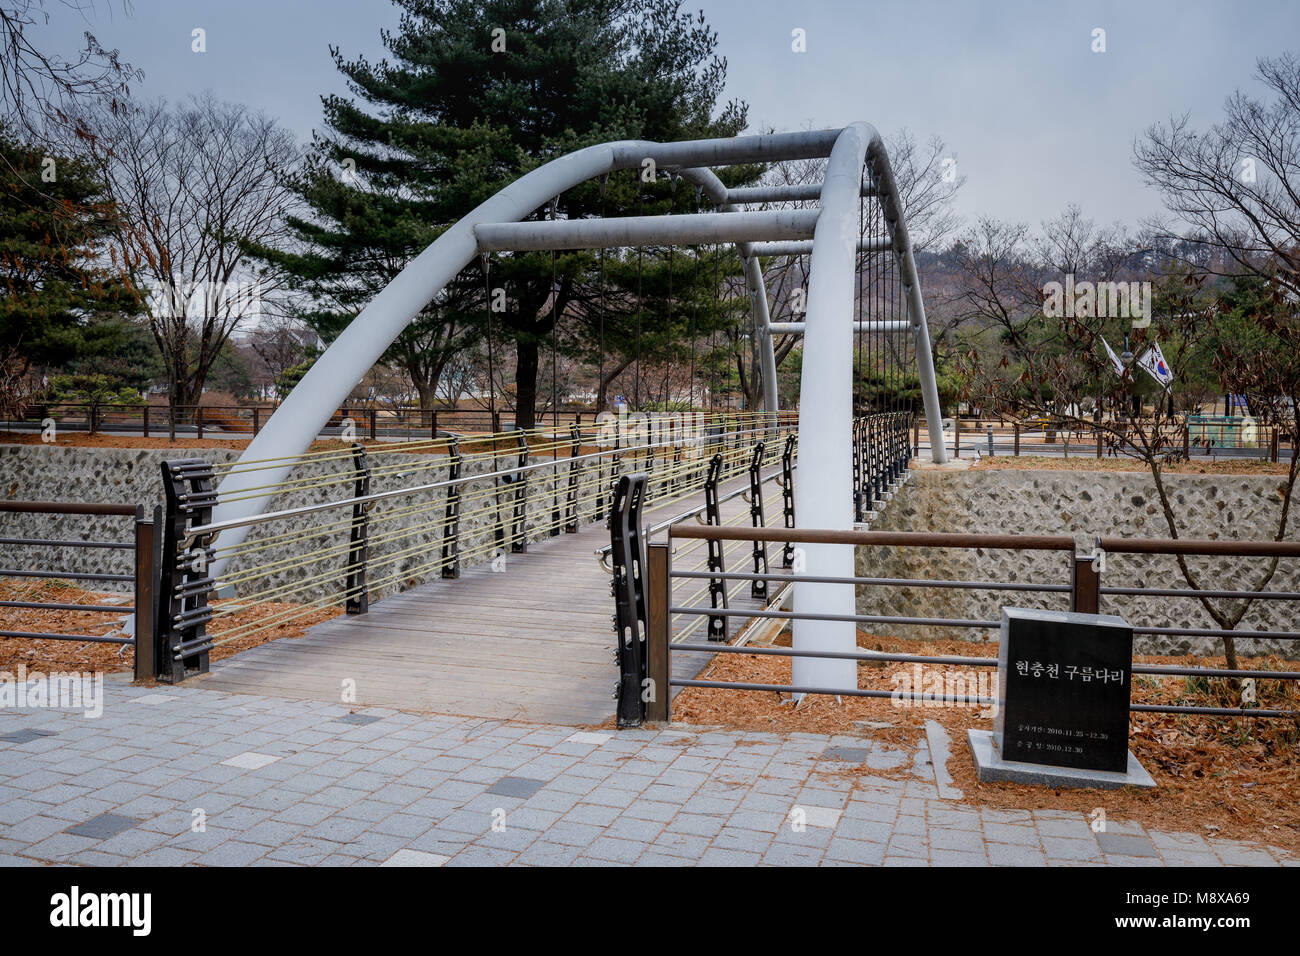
(58, 284)
(474, 96)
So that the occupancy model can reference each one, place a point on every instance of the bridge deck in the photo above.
(532, 642)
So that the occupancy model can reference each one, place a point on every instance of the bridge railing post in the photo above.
(571, 517)
(872, 466)
(658, 588)
(451, 517)
(1085, 582)
(557, 512)
(146, 597)
(358, 595)
(181, 644)
(519, 523)
(628, 561)
(858, 511)
(787, 498)
(905, 447)
(716, 562)
(758, 587)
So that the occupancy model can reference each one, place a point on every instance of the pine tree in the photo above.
(473, 96)
(59, 289)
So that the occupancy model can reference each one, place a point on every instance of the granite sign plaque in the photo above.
(1063, 689)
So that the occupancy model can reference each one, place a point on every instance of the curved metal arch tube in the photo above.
(801, 247)
(802, 192)
(293, 427)
(299, 419)
(645, 230)
(826, 417)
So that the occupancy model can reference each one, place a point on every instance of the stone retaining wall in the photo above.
(405, 532)
(1078, 503)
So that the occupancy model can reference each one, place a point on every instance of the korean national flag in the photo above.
(1153, 361)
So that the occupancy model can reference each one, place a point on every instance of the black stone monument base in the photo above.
(991, 768)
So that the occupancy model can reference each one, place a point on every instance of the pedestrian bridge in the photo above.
(257, 530)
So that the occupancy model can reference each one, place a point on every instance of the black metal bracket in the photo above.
(857, 470)
(627, 557)
(451, 518)
(718, 585)
(519, 523)
(181, 644)
(787, 498)
(758, 587)
(571, 504)
(358, 595)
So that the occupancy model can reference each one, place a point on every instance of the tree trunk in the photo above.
(526, 382)
(428, 393)
(602, 390)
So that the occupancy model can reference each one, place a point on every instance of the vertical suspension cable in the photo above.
(897, 303)
(713, 332)
(695, 314)
(860, 267)
(636, 381)
(600, 311)
(555, 329)
(695, 306)
(485, 259)
(668, 327)
(881, 316)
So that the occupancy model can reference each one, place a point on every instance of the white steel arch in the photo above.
(824, 499)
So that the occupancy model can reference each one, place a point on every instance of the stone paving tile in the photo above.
(1015, 854)
(1125, 844)
(289, 783)
(103, 826)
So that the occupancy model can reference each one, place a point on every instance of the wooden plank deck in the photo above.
(531, 642)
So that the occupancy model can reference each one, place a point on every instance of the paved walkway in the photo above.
(189, 775)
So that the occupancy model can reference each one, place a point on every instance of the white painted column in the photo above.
(824, 492)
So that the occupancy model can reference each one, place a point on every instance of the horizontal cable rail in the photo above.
(502, 473)
(457, 501)
(881, 451)
(140, 573)
(1084, 590)
(1011, 542)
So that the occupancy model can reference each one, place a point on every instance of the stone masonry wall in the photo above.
(405, 532)
(1078, 503)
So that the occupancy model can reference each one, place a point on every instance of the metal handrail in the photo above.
(992, 541)
(602, 553)
(217, 526)
(141, 575)
(1012, 542)
(68, 508)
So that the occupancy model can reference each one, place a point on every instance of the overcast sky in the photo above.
(1034, 118)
